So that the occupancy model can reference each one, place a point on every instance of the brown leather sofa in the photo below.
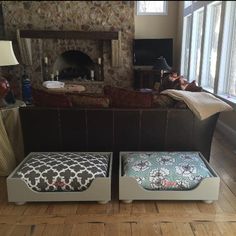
(111, 129)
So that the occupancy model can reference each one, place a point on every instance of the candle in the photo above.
(92, 73)
(57, 75)
(99, 61)
(52, 76)
(45, 60)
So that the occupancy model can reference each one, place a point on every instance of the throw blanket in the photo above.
(202, 104)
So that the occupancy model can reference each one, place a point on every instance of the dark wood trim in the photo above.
(56, 34)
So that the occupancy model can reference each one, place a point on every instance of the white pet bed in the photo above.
(61, 176)
(166, 176)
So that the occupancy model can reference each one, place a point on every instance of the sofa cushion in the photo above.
(89, 100)
(45, 99)
(125, 98)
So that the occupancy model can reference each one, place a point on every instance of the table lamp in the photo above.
(161, 64)
(7, 58)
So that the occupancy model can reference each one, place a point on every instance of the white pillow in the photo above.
(53, 84)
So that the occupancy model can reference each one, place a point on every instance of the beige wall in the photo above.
(163, 26)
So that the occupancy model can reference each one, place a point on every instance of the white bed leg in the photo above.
(103, 202)
(20, 203)
(208, 201)
(127, 201)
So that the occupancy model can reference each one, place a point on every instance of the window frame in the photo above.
(220, 61)
(229, 35)
(183, 50)
(165, 12)
(187, 4)
(193, 44)
(206, 63)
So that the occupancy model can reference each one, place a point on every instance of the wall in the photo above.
(163, 26)
(81, 16)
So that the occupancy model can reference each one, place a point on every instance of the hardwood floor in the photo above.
(139, 218)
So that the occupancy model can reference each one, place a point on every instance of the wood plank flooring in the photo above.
(141, 218)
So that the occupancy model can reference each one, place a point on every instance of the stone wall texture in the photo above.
(81, 16)
(1, 23)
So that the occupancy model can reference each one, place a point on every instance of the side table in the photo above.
(145, 78)
(11, 140)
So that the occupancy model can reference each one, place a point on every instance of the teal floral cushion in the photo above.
(165, 170)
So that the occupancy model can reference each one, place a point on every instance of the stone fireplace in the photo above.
(76, 57)
(73, 60)
(83, 16)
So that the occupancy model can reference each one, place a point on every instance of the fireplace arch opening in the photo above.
(74, 65)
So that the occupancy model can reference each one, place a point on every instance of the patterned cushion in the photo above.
(124, 98)
(84, 100)
(58, 171)
(166, 170)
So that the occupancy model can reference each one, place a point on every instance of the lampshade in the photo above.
(161, 64)
(7, 56)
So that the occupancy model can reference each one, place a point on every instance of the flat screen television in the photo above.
(145, 51)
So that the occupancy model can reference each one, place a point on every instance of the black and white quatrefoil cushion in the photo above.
(63, 171)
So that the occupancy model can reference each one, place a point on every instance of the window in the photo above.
(151, 7)
(187, 4)
(196, 45)
(186, 45)
(208, 52)
(227, 84)
(211, 45)
(231, 85)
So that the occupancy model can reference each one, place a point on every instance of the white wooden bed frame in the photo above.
(99, 190)
(129, 189)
